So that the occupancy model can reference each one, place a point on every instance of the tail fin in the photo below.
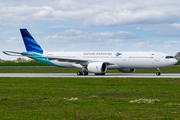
(30, 43)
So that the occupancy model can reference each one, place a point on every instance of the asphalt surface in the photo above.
(108, 75)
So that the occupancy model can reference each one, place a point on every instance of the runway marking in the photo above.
(108, 75)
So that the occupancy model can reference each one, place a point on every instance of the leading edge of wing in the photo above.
(78, 61)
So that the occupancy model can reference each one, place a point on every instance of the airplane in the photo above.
(95, 62)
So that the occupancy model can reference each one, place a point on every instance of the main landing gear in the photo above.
(83, 72)
(86, 73)
(158, 72)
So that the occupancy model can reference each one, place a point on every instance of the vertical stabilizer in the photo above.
(29, 42)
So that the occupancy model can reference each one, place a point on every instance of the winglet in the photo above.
(30, 43)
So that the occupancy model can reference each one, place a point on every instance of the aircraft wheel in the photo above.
(158, 73)
(83, 73)
(86, 73)
(79, 73)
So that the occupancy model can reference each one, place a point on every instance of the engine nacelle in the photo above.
(97, 67)
(126, 70)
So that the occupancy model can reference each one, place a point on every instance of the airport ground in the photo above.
(88, 98)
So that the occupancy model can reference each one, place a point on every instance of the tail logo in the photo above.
(30, 43)
(118, 54)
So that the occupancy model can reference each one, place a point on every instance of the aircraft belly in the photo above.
(141, 64)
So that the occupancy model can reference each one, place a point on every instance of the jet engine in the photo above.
(126, 70)
(97, 67)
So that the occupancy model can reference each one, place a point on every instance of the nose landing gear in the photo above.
(158, 72)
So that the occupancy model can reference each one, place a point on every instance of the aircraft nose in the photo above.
(174, 61)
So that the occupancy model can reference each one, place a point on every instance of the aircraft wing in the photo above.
(66, 59)
(77, 61)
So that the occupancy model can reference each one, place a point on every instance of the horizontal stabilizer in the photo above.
(12, 53)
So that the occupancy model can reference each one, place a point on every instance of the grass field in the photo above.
(89, 98)
(49, 69)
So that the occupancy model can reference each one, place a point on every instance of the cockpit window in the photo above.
(168, 57)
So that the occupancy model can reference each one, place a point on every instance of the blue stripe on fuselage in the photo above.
(42, 60)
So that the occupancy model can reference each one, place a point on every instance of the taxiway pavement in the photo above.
(108, 75)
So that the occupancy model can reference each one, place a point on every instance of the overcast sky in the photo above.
(95, 25)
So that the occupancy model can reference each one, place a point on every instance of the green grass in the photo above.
(98, 98)
(49, 69)
(37, 69)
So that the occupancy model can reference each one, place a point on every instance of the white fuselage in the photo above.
(141, 60)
